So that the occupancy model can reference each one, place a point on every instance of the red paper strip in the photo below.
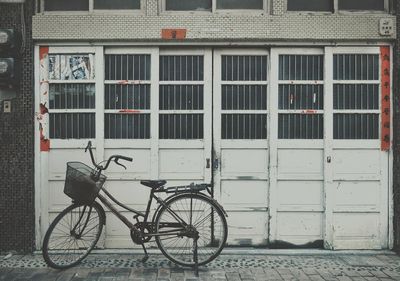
(127, 82)
(385, 98)
(309, 111)
(129, 111)
(43, 51)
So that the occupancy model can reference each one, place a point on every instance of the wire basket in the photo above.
(80, 184)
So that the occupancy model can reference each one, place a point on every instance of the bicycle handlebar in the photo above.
(124, 158)
(112, 157)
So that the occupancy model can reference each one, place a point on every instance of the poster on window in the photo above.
(71, 67)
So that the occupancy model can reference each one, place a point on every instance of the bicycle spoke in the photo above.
(202, 216)
(72, 235)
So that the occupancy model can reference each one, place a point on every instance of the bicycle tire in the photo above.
(181, 252)
(70, 250)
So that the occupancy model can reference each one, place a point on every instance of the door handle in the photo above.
(215, 164)
(328, 159)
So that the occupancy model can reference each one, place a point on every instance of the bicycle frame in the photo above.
(166, 221)
(137, 213)
(180, 224)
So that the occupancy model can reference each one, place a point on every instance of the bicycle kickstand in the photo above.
(146, 256)
(195, 258)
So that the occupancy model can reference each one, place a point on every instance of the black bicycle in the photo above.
(189, 226)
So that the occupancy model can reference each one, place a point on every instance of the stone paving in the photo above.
(332, 266)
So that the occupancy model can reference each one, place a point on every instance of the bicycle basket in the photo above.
(80, 184)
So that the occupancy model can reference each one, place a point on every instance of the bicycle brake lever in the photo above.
(116, 162)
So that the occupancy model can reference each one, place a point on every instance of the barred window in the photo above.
(244, 111)
(116, 4)
(66, 5)
(244, 68)
(240, 4)
(301, 97)
(72, 96)
(207, 5)
(85, 5)
(188, 5)
(355, 126)
(127, 126)
(310, 5)
(301, 67)
(356, 96)
(181, 90)
(127, 96)
(376, 5)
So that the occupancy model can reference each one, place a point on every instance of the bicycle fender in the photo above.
(212, 199)
(218, 204)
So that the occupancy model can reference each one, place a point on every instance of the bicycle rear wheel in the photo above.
(72, 235)
(200, 213)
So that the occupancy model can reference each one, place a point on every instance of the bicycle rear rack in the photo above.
(188, 188)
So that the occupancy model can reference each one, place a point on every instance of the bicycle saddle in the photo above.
(153, 184)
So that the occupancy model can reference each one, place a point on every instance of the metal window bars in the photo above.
(71, 96)
(356, 96)
(127, 96)
(244, 96)
(301, 97)
(181, 100)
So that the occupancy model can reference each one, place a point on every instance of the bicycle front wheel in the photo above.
(203, 216)
(72, 235)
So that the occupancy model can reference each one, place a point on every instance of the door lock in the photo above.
(216, 164)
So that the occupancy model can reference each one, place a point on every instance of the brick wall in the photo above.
(17, 212)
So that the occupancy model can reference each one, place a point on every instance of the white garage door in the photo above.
(329, 173)
(291, 138)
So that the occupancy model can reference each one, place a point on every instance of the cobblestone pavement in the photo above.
(249, 266)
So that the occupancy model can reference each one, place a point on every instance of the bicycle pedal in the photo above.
(145, 258)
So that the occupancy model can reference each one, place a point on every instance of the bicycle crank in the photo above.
(145, 229)
(136, 236)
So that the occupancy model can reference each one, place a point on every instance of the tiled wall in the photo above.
(17, 212)
(276, 24)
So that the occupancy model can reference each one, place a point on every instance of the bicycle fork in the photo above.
(73, 231)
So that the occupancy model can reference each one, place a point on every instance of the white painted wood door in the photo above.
(179, 143)
(358, 179)
(241, 148)
(329, 177)
(151, 105)
(297, 146)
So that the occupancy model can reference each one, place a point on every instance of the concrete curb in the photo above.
(254, 252)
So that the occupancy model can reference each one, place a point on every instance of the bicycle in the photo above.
(189, 226)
